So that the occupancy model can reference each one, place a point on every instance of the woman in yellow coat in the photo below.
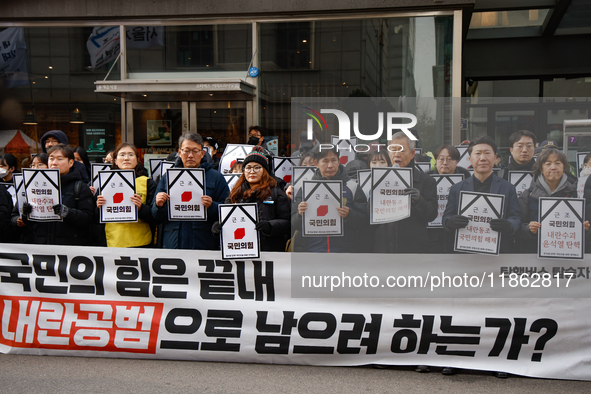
(140, 233)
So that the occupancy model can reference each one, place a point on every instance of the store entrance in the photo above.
(155, 127)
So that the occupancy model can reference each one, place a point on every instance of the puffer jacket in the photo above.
(276, 210)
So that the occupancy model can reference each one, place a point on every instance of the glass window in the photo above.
(520, 18)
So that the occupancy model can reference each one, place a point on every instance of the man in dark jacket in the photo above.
(54, 137)
(523, 143)
(483, 154)
(408, 235)
(353, 212)
(191, 234)
(76, 209)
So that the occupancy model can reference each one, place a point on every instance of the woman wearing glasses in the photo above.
(138, 234)
(257, 186)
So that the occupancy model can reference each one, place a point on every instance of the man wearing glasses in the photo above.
(522, 144)
(191, 234)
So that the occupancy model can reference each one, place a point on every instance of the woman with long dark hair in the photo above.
(140, 233)
(256, 185)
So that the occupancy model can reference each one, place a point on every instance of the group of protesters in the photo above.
(280, 211)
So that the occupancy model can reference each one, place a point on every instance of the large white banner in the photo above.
(164, 304)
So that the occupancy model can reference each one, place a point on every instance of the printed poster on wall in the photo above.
(186, 186)
(477, 236)
(42, 190)
(321, 218)
(443, 182)
(239, 237)
(562, 234)
(117, 187)
(388, 202)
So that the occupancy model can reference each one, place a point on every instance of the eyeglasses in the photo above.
(131, 155)
(195, 152)
(253, 169)
(107, 160)
(445, 160)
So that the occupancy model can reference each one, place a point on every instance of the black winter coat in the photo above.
(277, 211)
(5, 213)
(75, 229)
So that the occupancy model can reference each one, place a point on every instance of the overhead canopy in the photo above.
(15, 142)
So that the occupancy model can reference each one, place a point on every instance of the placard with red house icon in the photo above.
(239, 237)
(346, 148)
(233, 153)
(117, 187)
(321, 218)
(186, 186)
(282, 167)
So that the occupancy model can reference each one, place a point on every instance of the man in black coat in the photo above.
(523, 143)
(408, 235)
(76, 209)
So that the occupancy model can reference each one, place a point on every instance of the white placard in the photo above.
(423, 166)
(581, 186)
(231, 179)
(233, 153)
(282, 167)
(94, 170)
(155, 169)
(164, 166)
(388, 202)
(562, 234)
(364, 180)
(321, 218)
(42, 190)
(464, 156)
(117, 187)
(521, 180)
(19, 186)
(299, 175)
(239, 239)
(477, 236)
(345, 148)
(186, 186)
(9, 186)
(580, 161)
(444, 182)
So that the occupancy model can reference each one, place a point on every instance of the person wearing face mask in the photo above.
(550, 180)
(140, 233)
(8, 166)
(76, 209)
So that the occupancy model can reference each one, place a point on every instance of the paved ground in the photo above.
(43, 374)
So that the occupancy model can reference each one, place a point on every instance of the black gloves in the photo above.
(415, 195)
(61, 210)
(501, 225)
(264, 227)
(27, 208)
(456, 221)
(216, 228)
